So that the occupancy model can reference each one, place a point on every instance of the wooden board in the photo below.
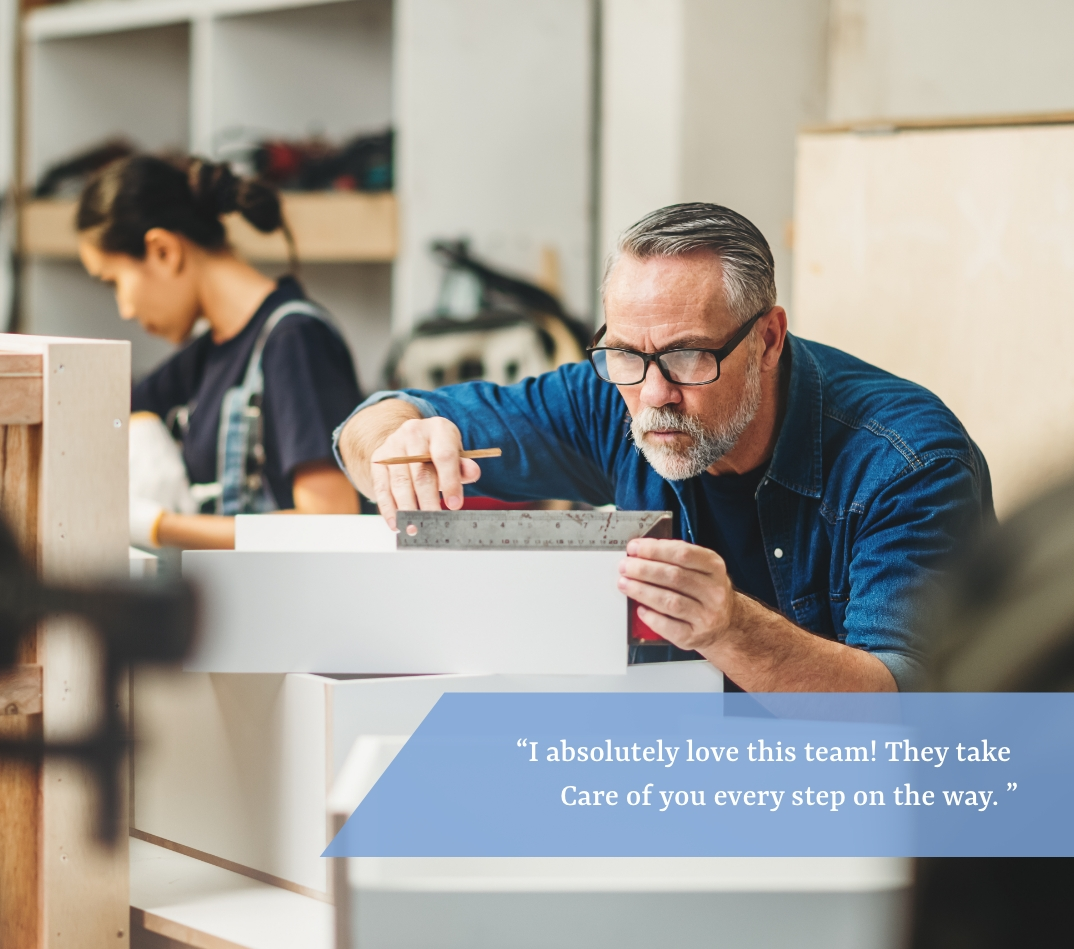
(410, 613)
(20, 389)
(947, 257)
(76, 518)
(329, 226)
(20, 782)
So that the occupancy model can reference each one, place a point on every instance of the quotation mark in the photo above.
(1012, 785)
(521, 743)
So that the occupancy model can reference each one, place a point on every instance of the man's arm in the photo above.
(685, 595)
(393, 428)
(559, 433)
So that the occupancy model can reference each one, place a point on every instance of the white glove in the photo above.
(145, 522)
(157, 471)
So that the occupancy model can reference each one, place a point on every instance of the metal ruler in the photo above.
(527, 530)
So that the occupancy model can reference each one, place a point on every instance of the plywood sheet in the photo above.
(410, 613)
(947, 257)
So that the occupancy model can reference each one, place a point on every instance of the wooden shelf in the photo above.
(328, 226)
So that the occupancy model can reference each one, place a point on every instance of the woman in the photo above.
(254, 399)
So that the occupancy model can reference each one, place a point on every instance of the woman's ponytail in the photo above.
(132, 196)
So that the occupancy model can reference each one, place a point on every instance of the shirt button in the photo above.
(777, 553)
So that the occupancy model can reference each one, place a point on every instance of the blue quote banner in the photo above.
(703, 774)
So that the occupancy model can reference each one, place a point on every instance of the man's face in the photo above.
(678, 302)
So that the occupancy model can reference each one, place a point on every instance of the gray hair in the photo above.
(749, 273)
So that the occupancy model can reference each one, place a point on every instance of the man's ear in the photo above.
(165, 250)
(773, 331)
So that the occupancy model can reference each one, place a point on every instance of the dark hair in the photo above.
(749, 273)
(131, 196)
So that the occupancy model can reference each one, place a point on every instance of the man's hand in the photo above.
(684, 594)
(682, 590)
(393, 428)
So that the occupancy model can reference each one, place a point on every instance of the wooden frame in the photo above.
(64, 406)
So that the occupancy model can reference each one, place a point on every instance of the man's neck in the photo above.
(757, 443)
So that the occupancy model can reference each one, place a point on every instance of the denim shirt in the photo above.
(873, 483)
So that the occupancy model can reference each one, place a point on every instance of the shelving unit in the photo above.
(491, 104)
(195, 76)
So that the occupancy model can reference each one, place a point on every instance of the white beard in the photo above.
(708, 445)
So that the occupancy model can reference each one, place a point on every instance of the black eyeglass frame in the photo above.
(721, 354)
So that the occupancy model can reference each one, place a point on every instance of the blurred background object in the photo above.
(1004, 622)
(487, 325)
(363, 163)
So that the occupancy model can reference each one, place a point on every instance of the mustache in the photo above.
(653, 419)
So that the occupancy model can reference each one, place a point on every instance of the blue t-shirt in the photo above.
(729, 523)
(310, 387)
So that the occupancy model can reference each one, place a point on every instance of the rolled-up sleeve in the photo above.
(557, 432)
(904, 541)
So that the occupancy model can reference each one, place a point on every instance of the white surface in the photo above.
(920, 58)
(239, 765)
(631, 874)
(235, 766)
(368, 760)
(181, 891)
(409, 613)
(356, 533)
(143, 564)
(689, 116)
(492, 105)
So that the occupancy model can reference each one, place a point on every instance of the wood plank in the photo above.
(83, 537)
(328, 227)
(20, 690)
(20, 389)
(20, 782)
(20, 827)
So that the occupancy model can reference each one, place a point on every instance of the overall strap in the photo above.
(240, 452)
(253, 380)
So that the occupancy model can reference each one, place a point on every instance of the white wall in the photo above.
(944, 58)
(702, 101)
(492, 102)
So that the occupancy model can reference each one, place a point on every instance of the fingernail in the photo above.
(632, 548)
(454, 502)
(622, 567)
(622, 583)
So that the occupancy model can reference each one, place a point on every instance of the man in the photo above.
(813, 492)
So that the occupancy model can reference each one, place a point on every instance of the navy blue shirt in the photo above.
(729, 523)
(310, 387)
(872, 485)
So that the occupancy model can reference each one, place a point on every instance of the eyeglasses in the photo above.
(680, 367)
